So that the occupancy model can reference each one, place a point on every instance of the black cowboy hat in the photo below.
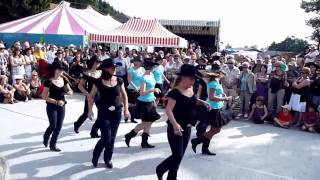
(92, 60)
(188, 70)
(312, 64)
(216, 70)
(148, 62)
(59, 52)
(107, 63)
(137, 59)
(56, 65)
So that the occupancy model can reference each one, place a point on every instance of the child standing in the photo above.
(284, 118)
(310, 119)
(259, 111)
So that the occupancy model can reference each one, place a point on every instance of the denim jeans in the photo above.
(178, 145)
(56, 116)
(108, 122)
(84, 116)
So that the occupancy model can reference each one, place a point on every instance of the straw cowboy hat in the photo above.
(215, 71)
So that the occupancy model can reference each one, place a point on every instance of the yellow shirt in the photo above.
(39, 55)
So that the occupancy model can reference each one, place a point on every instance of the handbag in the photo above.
(294, 102)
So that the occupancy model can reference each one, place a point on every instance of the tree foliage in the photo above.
(15, 9)
(313, 6)
(290, 44)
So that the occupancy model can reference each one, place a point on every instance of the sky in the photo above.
(243, 22)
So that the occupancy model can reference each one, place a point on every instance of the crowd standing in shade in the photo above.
(196, 89)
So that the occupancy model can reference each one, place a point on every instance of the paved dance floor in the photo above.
(244, 150)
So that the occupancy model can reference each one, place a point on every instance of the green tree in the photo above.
(290, 44)
(313, 6)
(15, 9)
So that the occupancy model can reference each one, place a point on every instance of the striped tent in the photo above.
(141, 32)
(62, 20)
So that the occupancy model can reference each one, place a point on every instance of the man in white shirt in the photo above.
(230, 80)
(198, 52)
(51, 54)
(104, 55)
(121, 71)
(267, 62)
(311, 56)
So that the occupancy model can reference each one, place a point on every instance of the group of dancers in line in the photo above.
(108, 92)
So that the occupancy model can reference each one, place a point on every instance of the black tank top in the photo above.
(108, 96)
(315, 87)
(90, 81)
(55, 92)
(303, 92)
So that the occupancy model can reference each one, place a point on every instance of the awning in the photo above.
(62, 20)
(141, 32)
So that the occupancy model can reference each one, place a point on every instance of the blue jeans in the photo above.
(108, 122)
(178, 145)
(56, 116)
(316, 100)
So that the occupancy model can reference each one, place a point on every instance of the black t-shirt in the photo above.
(89, 81)
(76, 71)
(108, 96)
(55, 92)
(184, 110)
(315, 87)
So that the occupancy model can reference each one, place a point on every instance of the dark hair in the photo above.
(265, 66)
(15, 50)
(177, 80)
(260, 98)
(91, 61)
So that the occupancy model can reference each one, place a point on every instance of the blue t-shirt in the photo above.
(218, 92)
(150, 83)
(136, 77)
(158, 72)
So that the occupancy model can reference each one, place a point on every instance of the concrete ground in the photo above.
(244, 150)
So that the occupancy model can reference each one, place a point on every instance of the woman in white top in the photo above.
(17, 64)
(29, 59)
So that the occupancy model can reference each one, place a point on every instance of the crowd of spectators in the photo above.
(284, 91)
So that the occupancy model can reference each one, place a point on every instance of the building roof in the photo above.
(189, 23)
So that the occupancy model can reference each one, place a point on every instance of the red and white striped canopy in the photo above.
(62, 20)
(141, 32)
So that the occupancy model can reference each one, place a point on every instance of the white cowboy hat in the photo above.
(72, 46)
(286, 107)
(2, 46)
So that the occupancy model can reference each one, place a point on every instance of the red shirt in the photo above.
(285, 117)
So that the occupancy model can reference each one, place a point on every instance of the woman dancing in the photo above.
(146, 106)
(85, 86)
(113, 98)
(135, 75)
(54, 94)
(216, 100)
(181, 104)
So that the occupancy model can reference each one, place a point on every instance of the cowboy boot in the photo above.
(129, 136)
(205, 148)
(144, 142)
